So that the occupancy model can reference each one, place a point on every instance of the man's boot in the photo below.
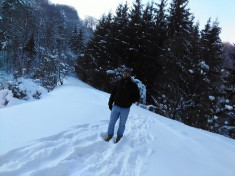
(107, 139)
(117, 139)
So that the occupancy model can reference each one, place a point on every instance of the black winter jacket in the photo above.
(124, 93)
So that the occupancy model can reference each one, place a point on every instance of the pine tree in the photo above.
(211, 53)
(192, 114)
(177, 59)
(76, 42)
(73, 42)
(150, 54)
(81, 45)
(227, 128)
(98, 55)
(135, 36)
(29, 51)
(119, 30)
(30, 45)
(159, 38)
(161, 27)
(99, 46)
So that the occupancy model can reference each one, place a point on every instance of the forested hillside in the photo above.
(180, 65)
(37, 38)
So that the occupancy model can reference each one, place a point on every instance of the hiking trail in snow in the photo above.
(81, 150)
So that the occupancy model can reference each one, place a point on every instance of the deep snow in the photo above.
(61, 135)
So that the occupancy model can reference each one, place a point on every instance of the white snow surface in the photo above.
(62, 135)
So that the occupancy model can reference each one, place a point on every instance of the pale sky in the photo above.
(223, 10)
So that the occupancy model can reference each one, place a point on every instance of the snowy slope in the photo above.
(61, 135)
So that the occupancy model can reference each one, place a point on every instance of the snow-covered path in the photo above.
(81, 151)
(62, 135)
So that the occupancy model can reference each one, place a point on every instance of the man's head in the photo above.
(126, 73)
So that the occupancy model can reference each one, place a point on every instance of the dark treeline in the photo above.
(229, 54)
(37, 39)
(181, 65)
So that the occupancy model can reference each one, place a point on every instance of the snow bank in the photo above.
(7, 99)
(20, 91)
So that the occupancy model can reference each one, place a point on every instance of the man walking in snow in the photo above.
(124, 93)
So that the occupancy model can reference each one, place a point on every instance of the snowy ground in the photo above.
(61, 135)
